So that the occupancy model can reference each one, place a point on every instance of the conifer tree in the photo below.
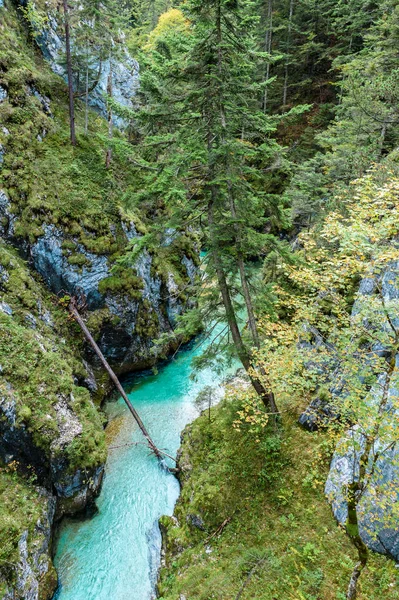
(219, 142)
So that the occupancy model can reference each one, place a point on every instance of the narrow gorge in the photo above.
(215, 186)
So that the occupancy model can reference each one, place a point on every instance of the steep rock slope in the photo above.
(49, 37)
(378, 531)
(50, 430)
(71, 217)
(26, 516)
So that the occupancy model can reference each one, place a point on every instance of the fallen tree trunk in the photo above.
(75, 313)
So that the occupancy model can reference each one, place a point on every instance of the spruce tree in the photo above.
(204, 108)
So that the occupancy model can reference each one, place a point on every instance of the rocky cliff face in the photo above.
(49, 426)
(125, 70)
(33, 576)
(129, 308)
(378, 525)
(66, 227)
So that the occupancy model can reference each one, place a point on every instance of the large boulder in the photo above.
(378, 523)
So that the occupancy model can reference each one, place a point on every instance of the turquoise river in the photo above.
(115, 555)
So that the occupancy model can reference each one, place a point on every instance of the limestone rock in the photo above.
(6, 217)
(125, 70)
(376, 530)
(49, 260)
(35, 575)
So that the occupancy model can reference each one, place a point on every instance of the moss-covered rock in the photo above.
(51, 434)
(26, 516)
(71, 217)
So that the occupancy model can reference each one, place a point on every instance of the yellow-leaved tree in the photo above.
(338, 343)
(171, 22)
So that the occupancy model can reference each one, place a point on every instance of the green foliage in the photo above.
(39, 367)
(281, 530)
(123, 281)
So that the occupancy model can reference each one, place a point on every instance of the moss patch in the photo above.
(21, 507)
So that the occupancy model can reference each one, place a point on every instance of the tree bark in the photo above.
(69, 72)
(243, 276)
(352, 528)
(266, 397)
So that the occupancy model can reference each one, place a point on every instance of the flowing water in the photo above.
(115, 555)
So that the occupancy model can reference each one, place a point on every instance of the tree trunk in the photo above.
(243, 276)
(87, 91)
(352, 528)
(153, 14)
(110, 121)
(69, 71)
(285, 88)
(74, 311)
(268, 48)
(243, 354)
(266, 397)
(382, 136)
